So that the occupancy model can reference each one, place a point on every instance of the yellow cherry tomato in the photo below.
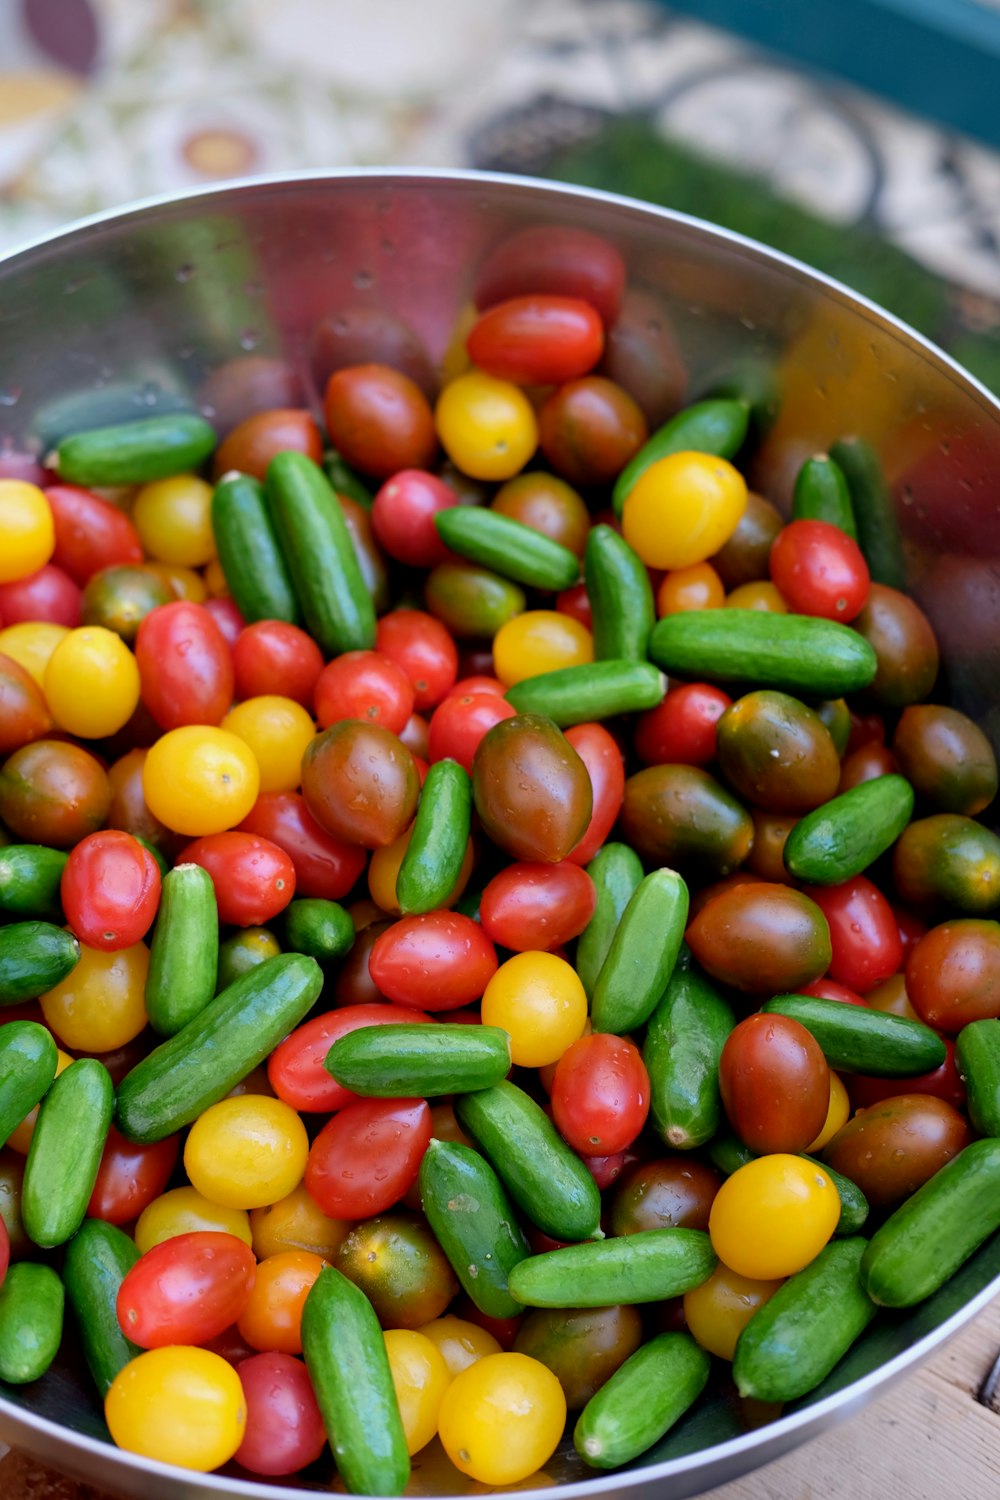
(773, 1216)
(384, 866)
(539, 1000)
(215, 580)
(92, 683)
(31, 644)
(27, 529)
(460, 1342)
(837, 1114)
(101, 1004)
(683, 509)
(421, 1378)
(696, 587)
(174, 520)
(487, 426)
(296, 1222)
(180, 1405)
(540, 640)
(272, 1317)
(185, 582)
(760, 595)
(200, 780)
(182, 1211)
(717, 1312)
(502, 1418)
(247, 1151)
(20, 1137)
(277, 731)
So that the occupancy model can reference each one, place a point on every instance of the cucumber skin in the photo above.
(250, 554)
(935, 1231)
(97, 1259)
(797, 654)
(683, 1045)
(184, 952)
(319, 928)
(793, 1342)
(211, 1054)
(401, 1062)
(616, 871)
(28, 1057)
(821, 494)
(977, 1049)
(136, 452)
(854, 1207)
(578, 695)
(621, 597)
(34, 958)
(874, 512)
(30, 876)
(717, 426)
(65, 1153)
(474, 1221)
(642, 954)
(433, 860)
(642, 1400)
(860, 1042)
(507, 547)
(835, 842)
(32, 1304)
(644, 1267)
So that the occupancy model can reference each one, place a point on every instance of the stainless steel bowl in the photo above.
(214, 300)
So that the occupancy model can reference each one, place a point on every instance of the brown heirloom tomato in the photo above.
(674, 1192)
(947, 758)
(53, 793)
(251, 446)
(901, 636)
(583, 1347)
(896, 1146)
(681, 816)
(121, 598)
(360, 783)
(767, 939)
(866, 763)
(953, 974)
(770, 834)
(775, 1084)
(379, 420)
(546, 504)
(129, 809)
(24, 715)
(589, 429)
(948, 860)
(531, 789)
(744, 558)
(777, 753)
(400, 1267)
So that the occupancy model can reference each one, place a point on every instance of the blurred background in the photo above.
(894, 187)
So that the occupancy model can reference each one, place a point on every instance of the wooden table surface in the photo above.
(925, 1439)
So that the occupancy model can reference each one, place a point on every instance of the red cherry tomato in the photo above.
(130, 1176)
(324, 865)
(228, 618)
(403, 517)
(185, 665)
(423, 648)
(273, 657)
(24, 714)
(254, 879)
(863, 933)
(682, 729)
(911, 930)
(379, 420)
(477, 684)
(460, 722)
(186, 1290)
(944, 1083)
(284, 1431)
(604, 1170)
(50, 594)
(530, 906)
(826, 989)
(368, 1156)
(537, 340)
(110, 890)
(575, 602)
(364, 685)
(600, 1097)
(554, 259)
(602, 757)
(437, 961)
(819, 570)
(91, 533)
(251, 445)
(415, 735)
(296, 1070)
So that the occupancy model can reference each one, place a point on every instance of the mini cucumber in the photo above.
(345, 1354)
(793, 1341)
(859, 1040)
(319, 554)
(854, 1208)
(251, 558)
(508, 547)
(847, 834)
(642, 1400)
(412, 1061)
(433, 860)
(65, 1154)
(136, 452)
(977, 1050)
(320, 928)
(642, 955)
(97, 1259)
(544, 1177)
(28, 1057)
(211, 1054)
(821, 494)
(936, 1230)
(716, 426)
(344, 480)
(474, 1221)
(32, 1304)
(874, 512)
(578, 695)
(30, 875)
(34, 957)
(616, 871)
(728, 1153)
(621, 597)
(684, 1040)
(184, 953)
(798, 654)
(643, 1267)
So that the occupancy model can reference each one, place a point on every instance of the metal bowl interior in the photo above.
(247, 296)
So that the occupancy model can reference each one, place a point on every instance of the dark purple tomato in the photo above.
(360, 783)
(546, 504)
(532, 791)
(946, 757)
(775, 1084)
(901, 636)
(53, 792)
(583, 1347)
(744, 558)
(589, 429)
(400, 1267)
(894, 1147)
(763, 938)
(681, 816)
(777, 753)
(672, 1192)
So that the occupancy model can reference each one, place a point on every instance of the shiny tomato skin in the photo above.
(531, 789)
(110, 890)
(53, 792)
(537, 340)
(254, 879)
(185, 665)
(911, 930)
(130, 1176)
(186, 1290)
(402, 517)
(819, 570)
(295, 1069)
(228, 618)
(535, 906)
(588, 429)
(324, 865)
(273, 657)
(50, 594)
(600, 1096)
(556, 260)
(360, 783)
(944, 1083)
(354, 984)
(864, 938)
(423, 648)
(459, 723)
(866, 763)
(892, 1148)
(364, 685)
(602, 757)
(284, 1431)
(91, 533)
(828, 989)
(761, 937)
(24, 714)
(368, 1156)
(682, 729)
(379, 420)
(575, 602)
(437, 961)
(775, 1084)
(251, 445)
(953, 974)
(670, 1192)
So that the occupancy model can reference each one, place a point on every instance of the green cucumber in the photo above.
(717, 426)
(347, 1362)
(136, 452)
(34, 957)
(620, 594)
(28, 1057)
(643, 1267)
(32, 1303)
(859, 1040)
(821, 494)
(936, 1230)
(977, 1051)
(211, 1054)
(642, 955)
(436, 851)
(793, 1341)
(466, 1206)
(473, 603)
(249, 553)
(508, 547)
(798, 654)
(65, 1154)
(30, 875)
(684, 1040)
(344, 480)
(320, 928)
(727, 1153)
(616, 871)
(319, 554)
(184, 953)
(837, 841)
(544, 1177)
(874, 512)
(853, 1203)
(417, 1061)
(97, 1260)
(642, 1400)
(579, 695)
